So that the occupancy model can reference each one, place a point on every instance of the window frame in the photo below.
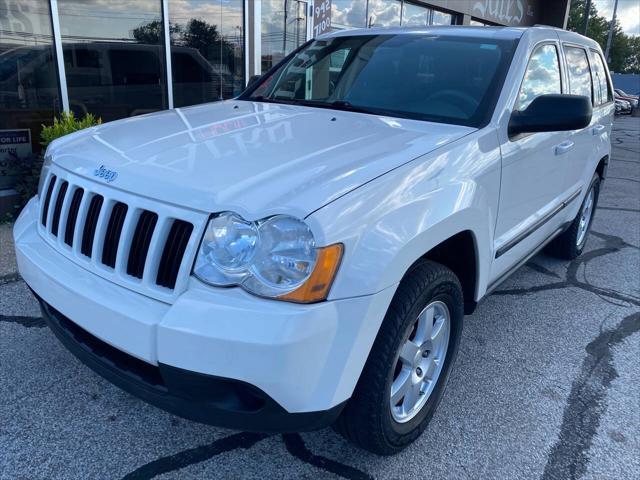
(566, 66)
(563, 80)
(610, 89)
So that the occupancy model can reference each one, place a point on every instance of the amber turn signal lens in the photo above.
(317, 287)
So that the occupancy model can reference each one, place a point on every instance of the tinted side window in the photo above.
(542, 76)
(602, 89)
(579, 74)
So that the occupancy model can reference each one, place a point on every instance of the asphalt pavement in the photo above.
(546, 386)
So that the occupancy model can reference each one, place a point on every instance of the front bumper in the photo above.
(287, 358)
(202, 398)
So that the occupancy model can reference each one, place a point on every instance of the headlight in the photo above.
(275, 257)
(230, 242)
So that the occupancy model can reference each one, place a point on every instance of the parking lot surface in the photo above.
(546, 385)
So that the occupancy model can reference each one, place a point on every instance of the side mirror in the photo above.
(552, 113)
(253, 79)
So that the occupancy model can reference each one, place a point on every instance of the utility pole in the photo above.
(284, 38)
(587, 11)
(611, 27)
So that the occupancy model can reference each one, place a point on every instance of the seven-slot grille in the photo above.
(132, 242)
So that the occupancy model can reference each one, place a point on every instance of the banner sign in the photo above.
(14, 145)
(321, 17)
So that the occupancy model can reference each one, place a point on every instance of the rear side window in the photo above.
(579, 74)
(542, 76)
(602, 89)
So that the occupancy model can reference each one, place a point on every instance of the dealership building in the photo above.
(119, 58)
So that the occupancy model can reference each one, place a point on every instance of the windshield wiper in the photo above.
(336, 104)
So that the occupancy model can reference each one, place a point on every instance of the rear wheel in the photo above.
(570, 243)
(409, 363)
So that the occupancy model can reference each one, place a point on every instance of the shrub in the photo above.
(28, 168)
(67, 123)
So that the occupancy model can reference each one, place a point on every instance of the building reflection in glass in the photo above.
(29, 93)
(113, 57)
(384, 13)
(284, 28)
(207, 45)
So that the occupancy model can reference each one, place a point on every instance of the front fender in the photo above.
(390, 222)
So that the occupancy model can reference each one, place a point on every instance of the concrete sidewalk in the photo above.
(8, 267)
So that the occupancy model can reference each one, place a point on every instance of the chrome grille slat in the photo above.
(47, 201)
(72, 216)
(80, 222)
(156, 247)
(57, 209)
(113, 233)
(101, 227)
(173, 253)
(91, 223)
(124, 245)
(139, 243)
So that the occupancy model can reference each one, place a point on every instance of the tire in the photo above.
(570, 244)
(368, 420)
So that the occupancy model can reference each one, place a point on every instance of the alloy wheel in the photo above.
(420, 361)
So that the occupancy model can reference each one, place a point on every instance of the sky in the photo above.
(628, 13)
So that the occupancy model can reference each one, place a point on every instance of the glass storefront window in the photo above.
(415, 15)
(384, 13)
(207, 50)
(348, 14)
(441, 18)
(29, 92)
(113, 57)
(284, 28)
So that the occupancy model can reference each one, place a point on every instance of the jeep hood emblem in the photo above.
(105, 173)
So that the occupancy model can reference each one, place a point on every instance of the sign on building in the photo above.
(321, 17)
(14, 145)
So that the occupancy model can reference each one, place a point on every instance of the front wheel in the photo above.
(405, 375)
(570, 243)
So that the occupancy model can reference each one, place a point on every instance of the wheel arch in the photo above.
(459, 253)
(603, 165)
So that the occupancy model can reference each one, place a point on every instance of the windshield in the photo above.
(427, 77)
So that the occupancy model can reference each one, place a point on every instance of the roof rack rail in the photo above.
(547, 26)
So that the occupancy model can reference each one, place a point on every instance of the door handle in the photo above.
(564, 147)
(598, 129)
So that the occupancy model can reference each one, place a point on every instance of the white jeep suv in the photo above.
(304, 254)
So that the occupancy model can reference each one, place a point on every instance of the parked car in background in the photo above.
(111, 80)
(622, 106)
(632, 99)
(304, 255)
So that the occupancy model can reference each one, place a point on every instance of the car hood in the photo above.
(254, 158)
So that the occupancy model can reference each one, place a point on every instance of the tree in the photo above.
(623, 56)
(205, 38)
(152, 32)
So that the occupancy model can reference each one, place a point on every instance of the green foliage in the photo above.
(67, 123)
(28, 168)
(195, 33)
(152, 32)
(625, 50)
